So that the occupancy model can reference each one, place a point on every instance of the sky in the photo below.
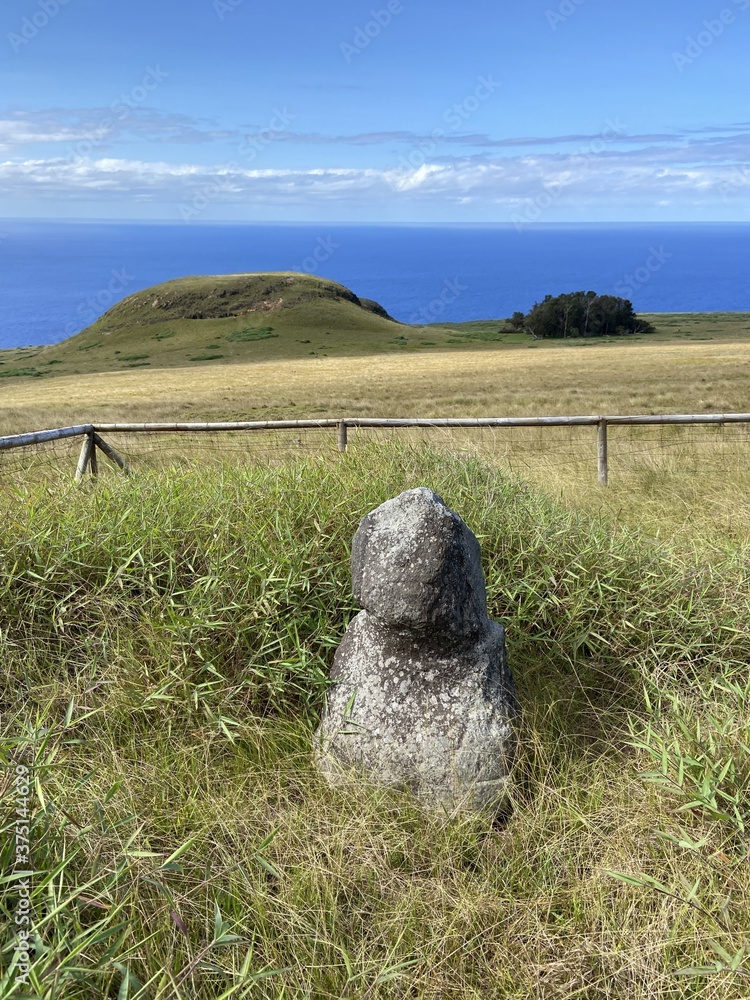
(398, 111)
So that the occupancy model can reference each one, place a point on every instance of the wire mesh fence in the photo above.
(40, 461)
(634, 451)
(171, 449)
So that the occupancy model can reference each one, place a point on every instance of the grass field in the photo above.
(659, 481)
(661, 374)
(218, 322)
(165, 645)
(166, 639)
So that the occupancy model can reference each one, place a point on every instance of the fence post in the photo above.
(84, 459)
(603, 452)
(343, 437)
(110, 452)
(93, 463)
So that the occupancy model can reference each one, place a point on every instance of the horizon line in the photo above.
(420, 224)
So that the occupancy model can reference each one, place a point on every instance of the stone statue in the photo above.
(422, 695)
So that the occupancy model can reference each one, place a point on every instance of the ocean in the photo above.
(57, 277)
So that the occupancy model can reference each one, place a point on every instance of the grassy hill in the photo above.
(217, 320)
(232, 319)
(243, 317)
(225, 318)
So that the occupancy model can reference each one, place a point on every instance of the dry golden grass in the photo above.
(689, 485)
(611, 378)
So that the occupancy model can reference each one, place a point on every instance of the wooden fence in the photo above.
(94, 442)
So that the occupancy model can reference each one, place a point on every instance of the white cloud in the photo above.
(93, 127)
(18, 132)
(610, 178)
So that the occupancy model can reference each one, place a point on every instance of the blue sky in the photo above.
(512, 112)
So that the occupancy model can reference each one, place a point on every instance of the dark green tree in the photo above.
(584, 314)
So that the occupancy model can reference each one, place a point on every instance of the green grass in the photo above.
(166, 641)
(350, 331)
(21, 373)
(483, 332)
(172, 323)
(250, 333)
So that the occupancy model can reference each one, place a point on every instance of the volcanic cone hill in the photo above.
(227, 318)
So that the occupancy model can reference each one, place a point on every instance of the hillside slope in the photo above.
(239, 319)
(226, 318)
(229, 295)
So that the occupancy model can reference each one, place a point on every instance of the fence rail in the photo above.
(40, 437)
(93, 440)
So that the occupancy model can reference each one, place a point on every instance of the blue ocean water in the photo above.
(57, 277)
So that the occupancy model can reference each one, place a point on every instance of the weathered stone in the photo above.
(416, 564)
(422, 695)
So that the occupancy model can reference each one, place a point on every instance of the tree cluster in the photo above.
(581, 314)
